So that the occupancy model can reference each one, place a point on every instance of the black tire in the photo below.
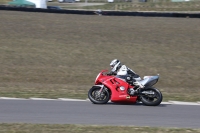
(103, 99)
(151, 99)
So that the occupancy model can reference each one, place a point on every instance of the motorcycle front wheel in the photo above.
(98, 97)
(151, 97)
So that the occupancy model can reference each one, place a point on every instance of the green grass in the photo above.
(44, 128)
(59, 55)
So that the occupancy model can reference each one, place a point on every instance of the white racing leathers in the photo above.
(125, 71)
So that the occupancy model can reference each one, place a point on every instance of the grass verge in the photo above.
(44, 128)
(59, 55)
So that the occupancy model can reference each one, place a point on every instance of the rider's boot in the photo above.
(138, 84)
(134, 91)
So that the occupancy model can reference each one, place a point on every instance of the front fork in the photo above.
(101, 90)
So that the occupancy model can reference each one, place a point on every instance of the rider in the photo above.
(122, 71)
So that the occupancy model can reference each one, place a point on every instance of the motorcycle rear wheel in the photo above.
(151, 99)
(96, 98)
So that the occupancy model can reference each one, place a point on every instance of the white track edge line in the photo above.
(12, 98)
(32, 98)
(184, 103)
(69, 99)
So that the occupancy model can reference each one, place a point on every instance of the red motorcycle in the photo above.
(117, 90)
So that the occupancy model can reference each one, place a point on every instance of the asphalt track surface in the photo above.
(84, 112)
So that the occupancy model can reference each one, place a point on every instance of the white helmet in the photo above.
(115, 65)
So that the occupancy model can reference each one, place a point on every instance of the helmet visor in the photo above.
(112, 66)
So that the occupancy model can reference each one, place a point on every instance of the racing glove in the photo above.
(110, 73)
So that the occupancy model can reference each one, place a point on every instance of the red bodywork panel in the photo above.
(113, 83)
